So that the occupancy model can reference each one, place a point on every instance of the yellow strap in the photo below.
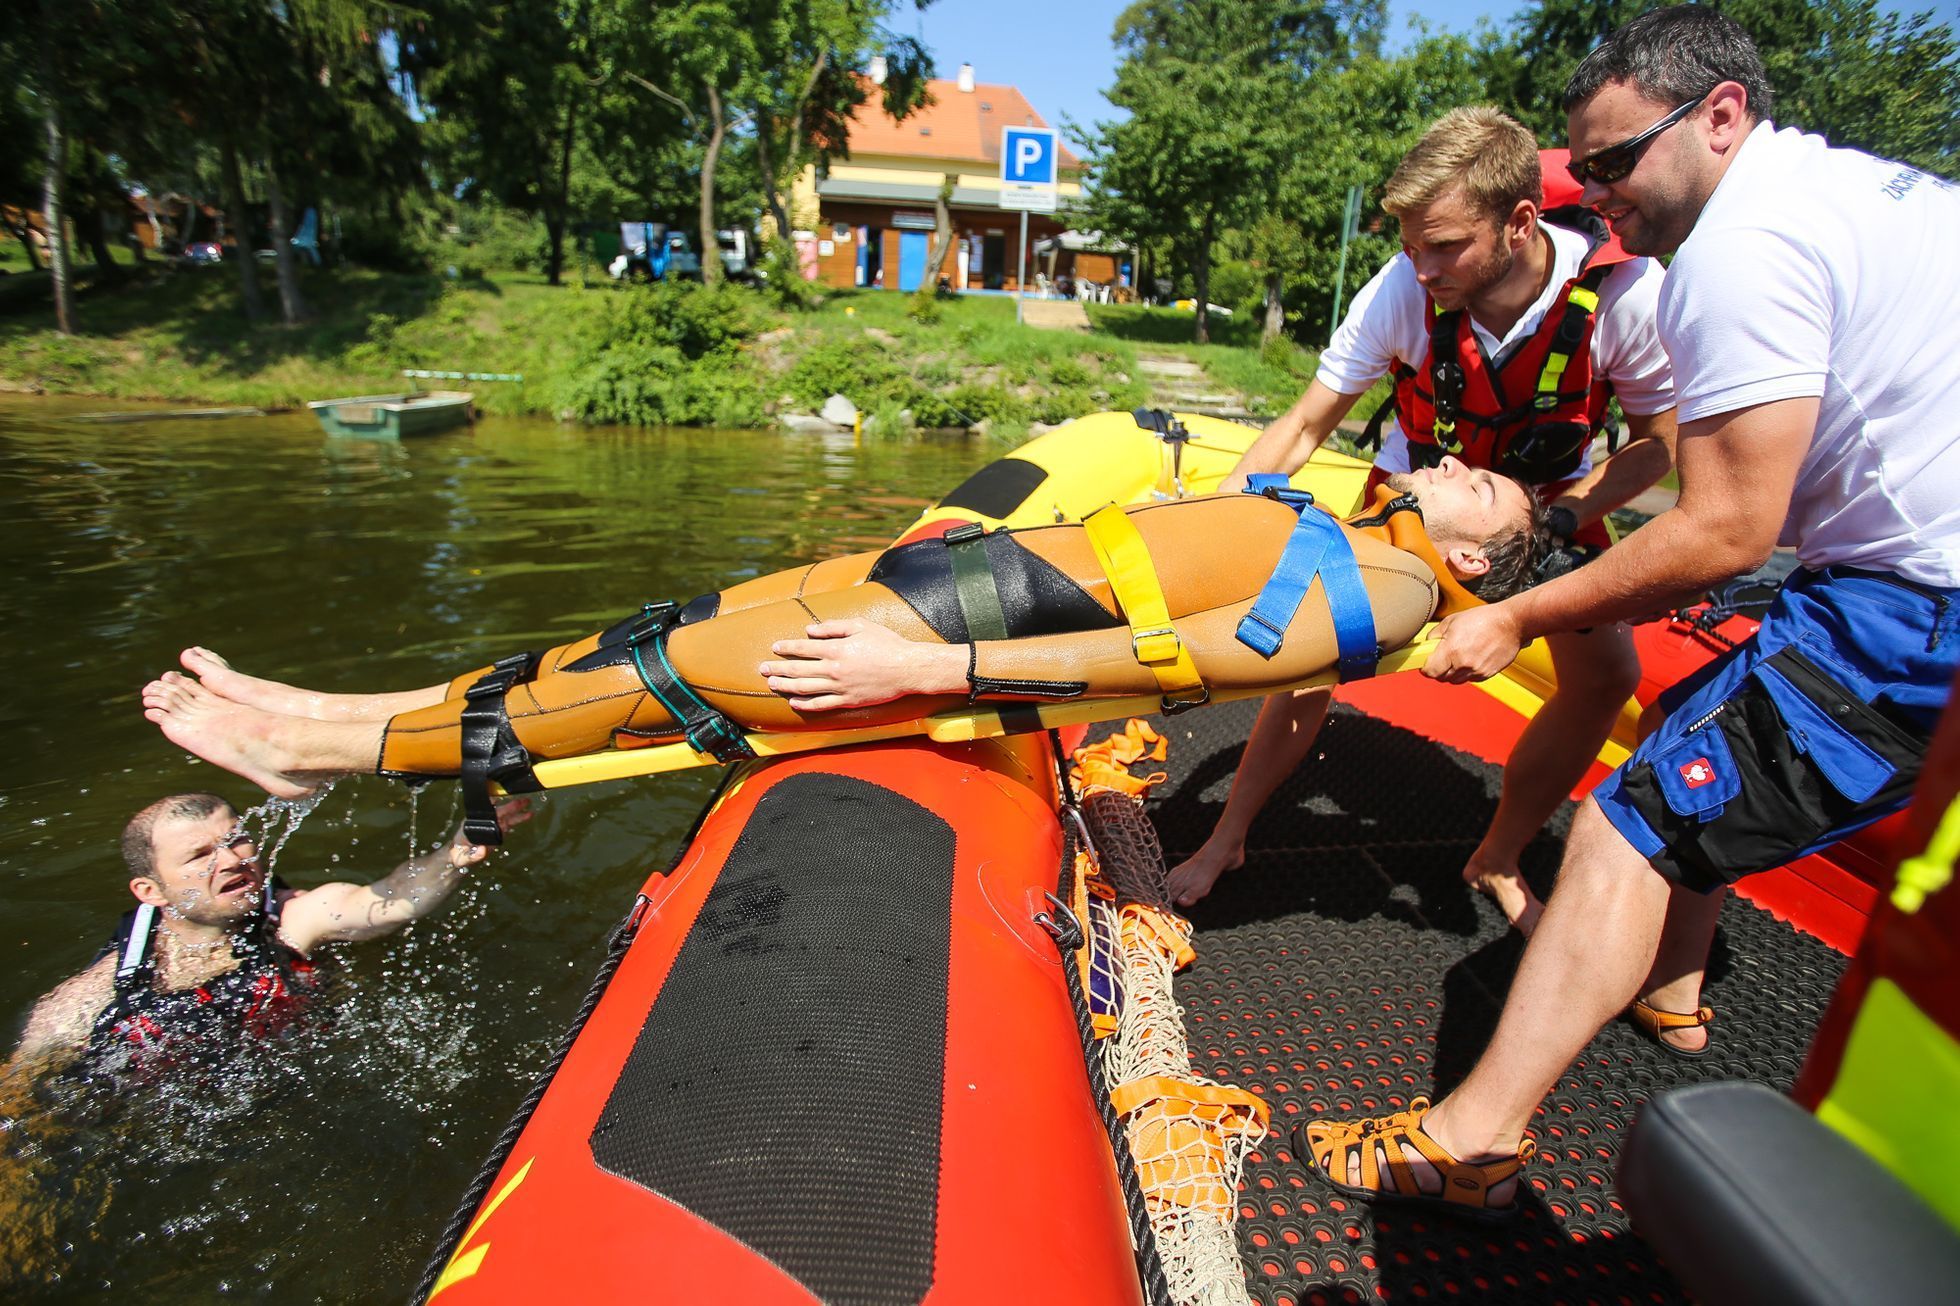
(1120, 549)
(1925, 875)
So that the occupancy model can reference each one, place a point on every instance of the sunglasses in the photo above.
(1616, 161)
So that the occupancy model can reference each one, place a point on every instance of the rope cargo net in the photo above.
(1189, 1135)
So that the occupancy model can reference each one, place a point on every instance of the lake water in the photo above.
(325, 1169)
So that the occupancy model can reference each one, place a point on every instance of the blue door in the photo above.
(911, 259)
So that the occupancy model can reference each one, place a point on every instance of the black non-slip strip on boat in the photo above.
(787, 1083)
(1346, 967)
(997, 489)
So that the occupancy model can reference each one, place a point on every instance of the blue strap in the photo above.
(1317, 547)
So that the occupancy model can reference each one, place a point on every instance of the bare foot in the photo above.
(1506, 886)
(261, 746)
(218, 676)
(1192, 878)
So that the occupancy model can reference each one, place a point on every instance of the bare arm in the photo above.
(59, 1026)
(855, 663)
(352, 913)
(1640, 463)
(1738, 471)
(1286, 445)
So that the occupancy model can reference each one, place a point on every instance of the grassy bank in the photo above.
(606, 353)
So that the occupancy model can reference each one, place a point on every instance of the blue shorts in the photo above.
(1811, 729)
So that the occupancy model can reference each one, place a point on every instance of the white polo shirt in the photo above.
(1823, 273)
(1389, 324)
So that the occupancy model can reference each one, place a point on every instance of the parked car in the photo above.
(651, 251)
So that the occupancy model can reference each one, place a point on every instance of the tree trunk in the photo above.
(942, 234)
(1275, 307)
(57, 158)
(291, 306)
(1201, 279)
(234, 184)
(711, 246)
(95, 234)
(771, 184)
(558, 213)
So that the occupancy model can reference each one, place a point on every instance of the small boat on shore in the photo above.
(389, 417)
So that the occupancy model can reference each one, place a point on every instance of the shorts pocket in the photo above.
(1697, 774)
(1855, 747)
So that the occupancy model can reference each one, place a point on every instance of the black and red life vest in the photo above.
(263, 995)
(1533, 415)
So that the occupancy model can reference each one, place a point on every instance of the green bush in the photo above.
(1236, 285)
(491, 238)
(854, 368)
(685, 315)
(781, 272)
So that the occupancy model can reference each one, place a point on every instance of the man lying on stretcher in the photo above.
(1177, 599)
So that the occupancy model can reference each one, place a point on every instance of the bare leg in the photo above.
(1593, 947)
(1597, 673)
(286, 756)
(1281, 738)
(1675, 982)
(290, 700)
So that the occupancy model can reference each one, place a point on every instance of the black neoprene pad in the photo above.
(788, 1081)
(997, 489)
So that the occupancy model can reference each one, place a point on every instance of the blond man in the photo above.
(1491, 291)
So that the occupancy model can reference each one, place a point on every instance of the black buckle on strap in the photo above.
(489, 748)
(655, 619)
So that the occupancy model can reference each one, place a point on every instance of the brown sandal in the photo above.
(1328, 1146)
(1653, 1023)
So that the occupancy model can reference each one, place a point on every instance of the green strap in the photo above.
(973, 583)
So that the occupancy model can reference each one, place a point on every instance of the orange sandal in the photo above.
(1653, 1023)
(1328, 1147)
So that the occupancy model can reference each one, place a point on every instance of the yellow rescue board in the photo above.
(1087, 463)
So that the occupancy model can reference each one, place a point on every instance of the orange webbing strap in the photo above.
(1133, 579)
(1106, 764)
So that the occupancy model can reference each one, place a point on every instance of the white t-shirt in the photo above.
(1823, 273)
(1389, 323)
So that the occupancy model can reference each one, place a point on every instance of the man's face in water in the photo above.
(201, 871)
(1458, 250)
(1463, 507)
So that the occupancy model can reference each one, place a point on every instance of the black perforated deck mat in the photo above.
(1346, 968)
(805, 1016)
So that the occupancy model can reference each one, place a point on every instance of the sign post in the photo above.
(1350, 228)
(1029, 182)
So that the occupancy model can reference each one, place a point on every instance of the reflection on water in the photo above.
(322, 1166)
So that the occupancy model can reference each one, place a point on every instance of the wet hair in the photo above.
(1513, 554)
(139, 847)
(1672, 56)
(1491, 154)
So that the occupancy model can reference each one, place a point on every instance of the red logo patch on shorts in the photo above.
(1698, 773)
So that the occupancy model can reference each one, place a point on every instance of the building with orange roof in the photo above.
(870, 216)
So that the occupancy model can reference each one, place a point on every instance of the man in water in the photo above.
(1808, 312)
(1480, 527)
(1500, 288)
(213, 949)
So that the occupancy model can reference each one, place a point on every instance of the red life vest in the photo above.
(1533, 416)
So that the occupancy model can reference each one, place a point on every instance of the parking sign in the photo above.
(1028, 168)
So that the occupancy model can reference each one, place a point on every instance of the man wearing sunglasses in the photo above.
(1506, 322)
(1809, 315)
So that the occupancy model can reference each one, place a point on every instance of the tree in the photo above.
(1208, 84)
(1874, 81)
(504, 83)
